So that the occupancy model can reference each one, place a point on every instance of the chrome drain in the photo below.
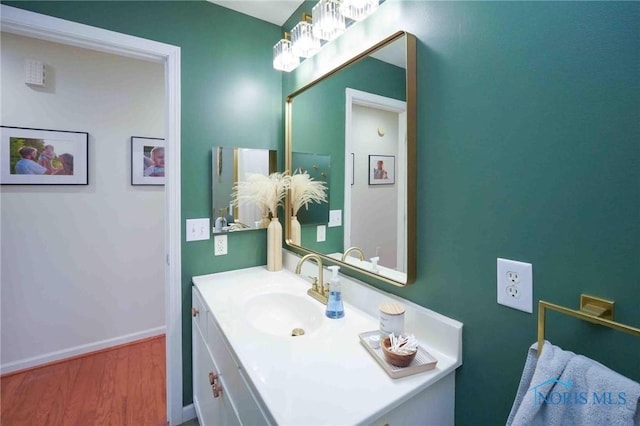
(297, 332)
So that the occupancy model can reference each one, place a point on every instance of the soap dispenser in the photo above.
(229, 216)
(374, 264)
(335, 309)
(220, 222)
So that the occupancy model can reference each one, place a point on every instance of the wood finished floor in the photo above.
(124, 385)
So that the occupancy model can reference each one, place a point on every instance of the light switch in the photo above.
(321, 233)
(198, 229)
(335, 218)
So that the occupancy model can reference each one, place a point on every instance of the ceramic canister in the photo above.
(391, 318)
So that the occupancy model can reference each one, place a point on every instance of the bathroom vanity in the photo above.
(249, 369)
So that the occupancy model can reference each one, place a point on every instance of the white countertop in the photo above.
(366, 265)
(304, 379)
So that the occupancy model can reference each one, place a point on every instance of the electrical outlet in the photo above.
(513, 277)
(513, 291)
(515, 284)
(321, 233)
(219, 245)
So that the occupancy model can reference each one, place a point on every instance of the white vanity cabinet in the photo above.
(211, 402)
(221, 394)
(266, 376)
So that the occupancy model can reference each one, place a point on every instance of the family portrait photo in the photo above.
(147, 161)
(382, 169)
(43, 157)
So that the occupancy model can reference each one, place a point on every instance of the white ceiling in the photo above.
(274, 11)
(278, 11)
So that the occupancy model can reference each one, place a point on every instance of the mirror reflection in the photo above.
(318, 167)
(230, 165)
(358, 117)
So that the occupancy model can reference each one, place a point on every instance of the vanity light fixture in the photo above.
(304, 43)
(328, 20)
(358, 9)
(283, 57)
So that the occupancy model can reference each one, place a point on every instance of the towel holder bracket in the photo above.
(592, 309)
(597, 307)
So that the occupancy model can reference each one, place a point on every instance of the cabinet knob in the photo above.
(194, 312)
(212, 378)
(216, 390)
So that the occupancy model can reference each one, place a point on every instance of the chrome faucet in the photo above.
(349, 250)
(318, 290)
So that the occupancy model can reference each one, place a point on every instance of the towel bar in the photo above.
(592, 309)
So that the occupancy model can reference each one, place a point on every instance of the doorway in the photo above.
(29, 24)
(375, 125)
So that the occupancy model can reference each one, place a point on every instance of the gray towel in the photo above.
(562, 388)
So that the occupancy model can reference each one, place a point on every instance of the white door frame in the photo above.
(35, 25)
(358, 97)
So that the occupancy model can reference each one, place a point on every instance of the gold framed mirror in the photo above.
(356, 126)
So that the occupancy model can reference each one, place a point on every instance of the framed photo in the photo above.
(43, 157)
(382, 169)
(147, 161)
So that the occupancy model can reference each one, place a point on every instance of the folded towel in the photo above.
(550, 365)
(562, 388)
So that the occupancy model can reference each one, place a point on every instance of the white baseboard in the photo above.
(78, 350)
(188, 413)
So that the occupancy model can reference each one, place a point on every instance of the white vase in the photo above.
(274, 245)
(295, 230)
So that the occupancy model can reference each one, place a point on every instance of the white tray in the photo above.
(423, 361)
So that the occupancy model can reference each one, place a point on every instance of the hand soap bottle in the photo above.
(229, 216)
(220, 222)
(374, 264)
(335, 309)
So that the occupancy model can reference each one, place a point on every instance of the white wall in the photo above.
(82, 266)
(374, 207)
(251, 161)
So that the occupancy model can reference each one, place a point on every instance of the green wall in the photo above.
(528, 146)
(319, 128)
(528, 149)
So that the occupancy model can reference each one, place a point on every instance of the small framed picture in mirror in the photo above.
(382, 169)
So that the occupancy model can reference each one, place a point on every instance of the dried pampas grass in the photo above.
(304, 190)
(267, 192)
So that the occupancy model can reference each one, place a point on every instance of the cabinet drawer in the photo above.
(211, 409)
(198, 311)
(245, 404)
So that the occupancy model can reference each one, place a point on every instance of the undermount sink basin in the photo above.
(281, 313)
